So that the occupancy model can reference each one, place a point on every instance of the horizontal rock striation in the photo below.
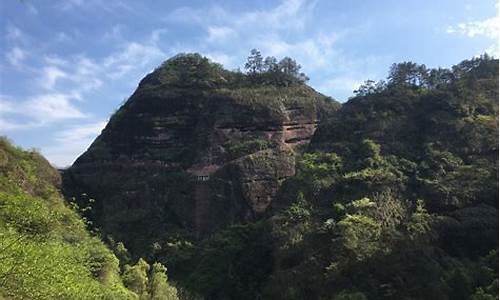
(178, 160)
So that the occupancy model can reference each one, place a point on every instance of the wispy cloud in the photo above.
(50, 76)
(346, 84)
(110, 6)
(38, 111)
(71, 142)
(287, 29)
(220, 33)
(488, 28)
(15, 34)
(63, 80)
(132, 55)
(31, 8)
(15, 56)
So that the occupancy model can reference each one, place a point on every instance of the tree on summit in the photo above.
(269, 71)
(255, 63)
(408, 74)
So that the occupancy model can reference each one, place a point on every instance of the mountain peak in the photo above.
(204, 141)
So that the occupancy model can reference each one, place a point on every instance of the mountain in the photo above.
(255, 186)
(194, 149)
(397, 194)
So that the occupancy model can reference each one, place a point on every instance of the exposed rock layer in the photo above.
(193, 160)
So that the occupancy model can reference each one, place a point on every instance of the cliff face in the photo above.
(190, 153)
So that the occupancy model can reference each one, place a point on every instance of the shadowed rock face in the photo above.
(193, 159)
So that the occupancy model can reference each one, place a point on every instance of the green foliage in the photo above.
(158, 284)
(136, 278)
(191, 70)
(269, 71)
(233, 264)
(248, 147)
(316, 171)
(360, 235)
(419, 223)
(45, 250)
(149, 282)
(401, 189)
(293, 224)
(350, 296)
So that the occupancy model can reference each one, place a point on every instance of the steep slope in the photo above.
(195, 148)
(45, 249)
(397, 195)
(452, 127)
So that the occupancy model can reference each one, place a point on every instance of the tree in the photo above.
(439, 78)
(419, 223)
(159, 288)
(407, 74)
(291, 71)
(254, 64)
(370, 87)
(271, 64)
(289, 67)
(136, 278)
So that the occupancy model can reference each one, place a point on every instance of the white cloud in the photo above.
(52, 107)
(5, 106)
(110, 6)
(221, 58)
(15, 34)
(156, 34)
(71, 142)
(184, 15)
(220, 33)
(280, 31)
(132, 56)
(69, 4)
(15, 56)
(290, 14)
(38, 111)
(275, 31)
(80, 132)
(55, 60)
(62, 37)
(492, 50)
(133, 53)
(488, 28)
(344, 83)
(85, 74)
(50, 75)
(115, 33)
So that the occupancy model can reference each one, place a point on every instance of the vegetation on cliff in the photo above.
(397, 196)
(190, 118)
(46, 251)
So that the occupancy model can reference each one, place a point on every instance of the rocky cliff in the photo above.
(195, 148)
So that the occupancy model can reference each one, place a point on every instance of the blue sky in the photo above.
(66, 65)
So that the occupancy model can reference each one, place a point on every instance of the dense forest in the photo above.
(393, 196)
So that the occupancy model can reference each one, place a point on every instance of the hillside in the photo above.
(46, 251)
(397, 195)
